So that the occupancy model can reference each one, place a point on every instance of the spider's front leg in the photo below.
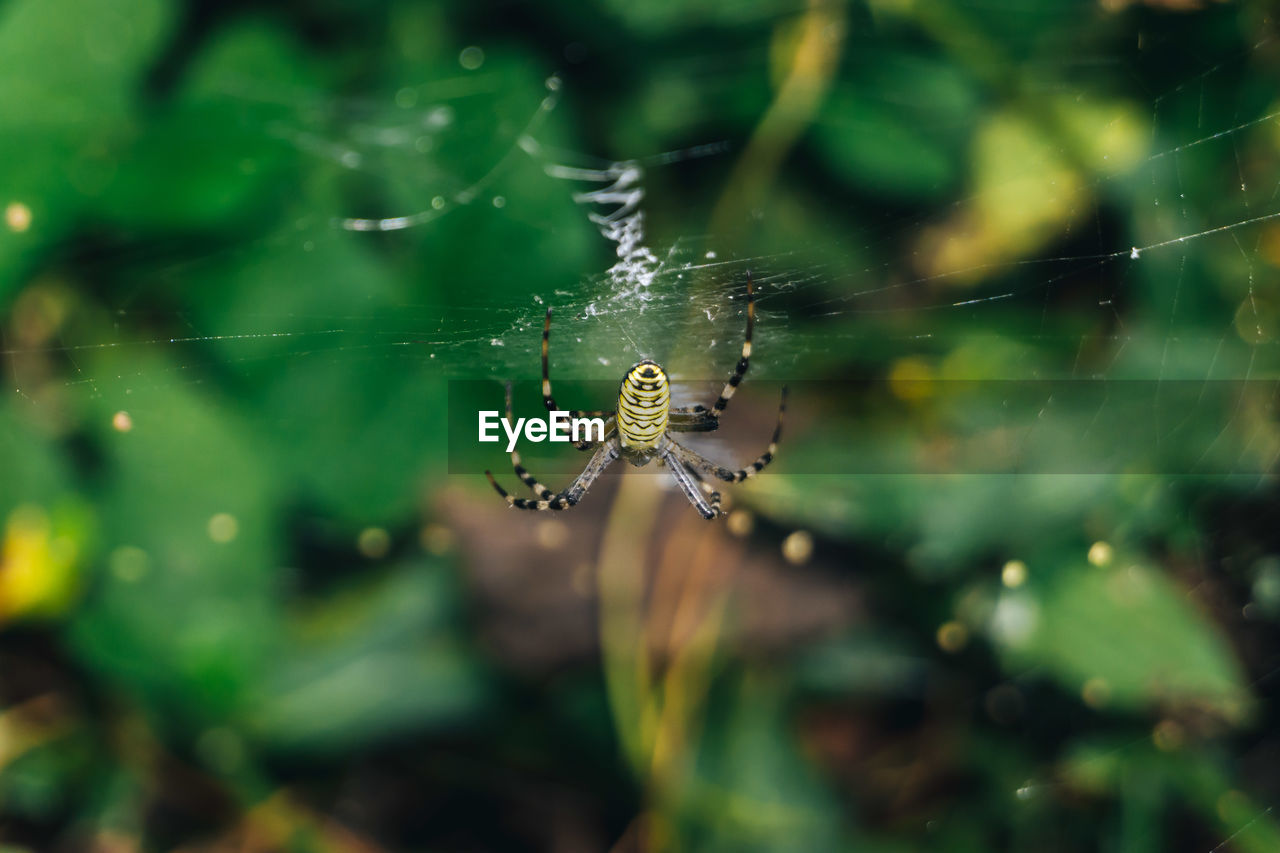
(692, 419)
(701, 463)
(517, 464)
(702, 419)
(550, 401)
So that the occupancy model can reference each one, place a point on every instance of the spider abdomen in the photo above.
(644, 403)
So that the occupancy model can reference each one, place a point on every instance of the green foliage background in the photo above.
(246, 602)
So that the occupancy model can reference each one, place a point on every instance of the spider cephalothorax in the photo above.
(640, 430)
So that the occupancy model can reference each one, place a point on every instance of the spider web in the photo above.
(813, 291)
(683, 288)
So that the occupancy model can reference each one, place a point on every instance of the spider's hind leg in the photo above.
(712, 494)
(692, 488)
(605, 454)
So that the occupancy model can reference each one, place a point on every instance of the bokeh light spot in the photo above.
(1096, 692)
(1014, 574)
(552, 534)
(1101, 554)
(17, 216)
(740, 522)
(373, 543)
(952, 637)
(223, 528)
(1168, 735)
(129, 563)
(436, 539)
(798, 547)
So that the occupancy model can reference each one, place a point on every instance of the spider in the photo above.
(641, 431)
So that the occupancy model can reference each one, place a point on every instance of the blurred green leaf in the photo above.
(1131, 634)
(879, 150)
(256, 86)
(33, 470)
(67, 75)
(39, 783)
(751, 789)
(382, 661)
(665, 15)
(185, 611)
(863, 664)
(1123, 766)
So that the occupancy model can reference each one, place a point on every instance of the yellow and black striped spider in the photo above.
(640, 431)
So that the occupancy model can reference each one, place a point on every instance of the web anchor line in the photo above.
(442, 205)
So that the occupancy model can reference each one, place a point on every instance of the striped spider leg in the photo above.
(690, 482)
(546, 385)
(699, 462)
(570, 496)
(699, 418)
(604, 455)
